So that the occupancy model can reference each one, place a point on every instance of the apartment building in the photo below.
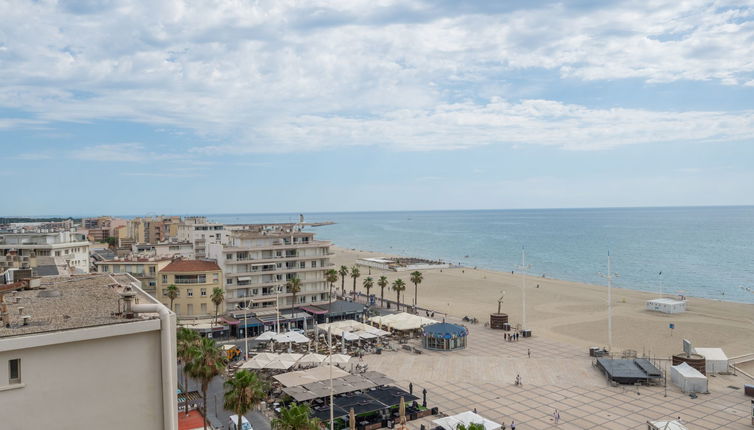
(153, 229)
(200, 232)
(142, 268)
(195, 280)
(171, 249)
(260, 259)
(107, 362)
(23, 249)
(101, 228)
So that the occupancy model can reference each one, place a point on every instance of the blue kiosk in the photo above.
(444, 337)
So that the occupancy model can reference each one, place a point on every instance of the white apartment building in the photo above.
(108, 362)
(258, 259)
(200, 232)
(19, 248)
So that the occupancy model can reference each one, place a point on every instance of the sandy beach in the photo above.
(572, 312)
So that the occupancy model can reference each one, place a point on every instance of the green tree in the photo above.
(294, 286)
(187, 342)
(416, 279)
(295, 417)
(368, 284)
(331, 276)
(218, 296)
(355, 274)
(242, 392)
(172, 294)
(208, 362)
(343, 272)
(398, 286)
(382, 282)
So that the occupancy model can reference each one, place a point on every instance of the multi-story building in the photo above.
(143, 269)
(153, 229)
(195, 280)
(171, 249)
(22, 249)
(101, 228)
(200, 232)
(260, 259)
(95, 350)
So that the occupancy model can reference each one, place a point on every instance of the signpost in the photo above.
(672, 326)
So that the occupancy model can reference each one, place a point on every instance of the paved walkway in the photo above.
(558, 376)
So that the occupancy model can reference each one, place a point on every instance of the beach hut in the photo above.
(665, 305)
(688, 379)
(716, 360)
(444, 336)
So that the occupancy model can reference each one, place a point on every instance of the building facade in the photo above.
(108, 363)
(22, 249)
(153, 229)
(200, 232)
(260, 259)
(143, 269)
(195, 280)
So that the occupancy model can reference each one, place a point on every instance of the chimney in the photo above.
(128, 296)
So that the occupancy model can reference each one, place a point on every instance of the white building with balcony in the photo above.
(199, 232)
(258, 259)
(21, 249)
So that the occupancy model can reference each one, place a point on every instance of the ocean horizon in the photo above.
(698, 251)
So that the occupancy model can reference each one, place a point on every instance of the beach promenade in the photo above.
(557, 376)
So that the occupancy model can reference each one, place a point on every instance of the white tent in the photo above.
(338, 359)
(666, 425)
(716, 360)
(688, 379)
(465, 418)
(402, 321)
(268, 335)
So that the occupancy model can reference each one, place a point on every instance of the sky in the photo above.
(178, 107)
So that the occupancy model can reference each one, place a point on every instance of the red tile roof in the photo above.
(191, 266)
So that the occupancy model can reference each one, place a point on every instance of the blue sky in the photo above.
(283, 106)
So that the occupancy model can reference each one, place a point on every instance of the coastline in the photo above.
(571, 312)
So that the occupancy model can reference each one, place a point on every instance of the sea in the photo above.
(692, 251)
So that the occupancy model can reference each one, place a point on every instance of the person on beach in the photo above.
(528, 352)
(513, 425)
(556, 416)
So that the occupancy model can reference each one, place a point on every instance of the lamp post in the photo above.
(277, 309)
(523, 267)
(245, 332)
(609, 276)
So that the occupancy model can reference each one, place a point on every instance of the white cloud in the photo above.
(282, 76)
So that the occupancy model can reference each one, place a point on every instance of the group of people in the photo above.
(512, 336)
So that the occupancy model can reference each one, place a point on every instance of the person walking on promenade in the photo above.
(528, 352)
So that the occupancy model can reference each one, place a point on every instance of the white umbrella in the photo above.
(279, 364)
(349, 336)
(365, 335)
(339, 359)
(252, 364)
(288, 356)
(282, 338)
(312, 358)
(268, 335)
(297, 337)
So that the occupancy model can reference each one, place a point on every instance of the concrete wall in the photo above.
(111, 383)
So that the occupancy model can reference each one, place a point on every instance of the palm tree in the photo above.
(294, 286)
(398, 286)
(368, 284)
(187, 341)
(218, 295)
(243, 391)
(331, 276)
(382, 282)
(355, 275)
(416, 278)
(172, 294)
(343, 272)
(208, 362)
(295, 417)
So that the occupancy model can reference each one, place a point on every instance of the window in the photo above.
(229, 281)
(204, 308)
(190, 309)
(189, 292)
(14, 374)
(177, 308)
(302, 265)
(164, 291)
(203, 292)
(314, 263)
(57, 253)
(228, 256)
(152, 283)
(215, 277)
(164, 278)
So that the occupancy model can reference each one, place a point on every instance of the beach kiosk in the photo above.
(444, 336)
(688, 379)
(667, 306)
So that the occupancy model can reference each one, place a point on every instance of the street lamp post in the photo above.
(245, 332)
(523, 267)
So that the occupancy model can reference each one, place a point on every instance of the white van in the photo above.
(233, 423)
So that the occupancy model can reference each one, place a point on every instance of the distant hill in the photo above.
(9, 220)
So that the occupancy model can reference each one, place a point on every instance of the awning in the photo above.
(230, 320)
(244, 278)
(313, 310)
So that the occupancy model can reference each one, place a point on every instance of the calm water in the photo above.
(703, 252)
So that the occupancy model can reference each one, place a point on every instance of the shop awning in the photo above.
(313, 310)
